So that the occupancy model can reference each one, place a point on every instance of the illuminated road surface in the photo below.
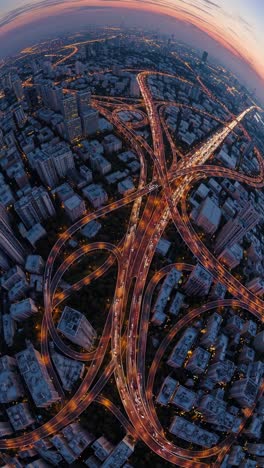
(133, 256)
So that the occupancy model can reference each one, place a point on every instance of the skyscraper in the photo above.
(235, 229)
(72, 121)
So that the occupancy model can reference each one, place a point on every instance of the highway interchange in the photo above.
(168, 188)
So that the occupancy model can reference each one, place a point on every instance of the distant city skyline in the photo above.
(236, 24)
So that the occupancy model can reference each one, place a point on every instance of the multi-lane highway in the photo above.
(126, 360)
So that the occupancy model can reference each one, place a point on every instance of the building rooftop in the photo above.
(34, 264)
(192, 433)
(91, 229)
(69, 370)
(70, 321)
(20, 416)
(184, 398)
(36, 377)
(180, 350)
(11, 388)
(73, 202)
(36, 233)
(167, 390)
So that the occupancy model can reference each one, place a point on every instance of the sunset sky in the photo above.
(235, 24)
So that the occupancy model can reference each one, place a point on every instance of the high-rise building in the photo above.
(211, 330)
(4, 261)
(231, 256)
(9, 244)
(69, 108)
(244, 391)
(183, 345)
(209, 216)
(8, 329)
(72, 129)
(43, 203)
(69, 370)
(83, 101)
(75, 207)
(234, 325)
(10, 381)
(204, 57)
(195, 93)
(18, 88)
(62, 157)
(20, 416)
(259, 342)
(47, 68)
(78, 438)
(248, 148)
(20, 177)
(134, 87)
(32, 97)
(256, 285)
(235, 229)
(51, 95)
(193, 433)
(90, 121)
(4, 216)
(79, 67)
(199, 282)
(35, 207)
(120, 454)
(96, 195)
(1, 138)
(76, 328)
(89, 51)
(111, 144)
(35, 374)
(221, 371)
(23, 309)
(7, 81)
(44, 165)
(26, 211)
(11, 277)
(20, 116)
(52, 162)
